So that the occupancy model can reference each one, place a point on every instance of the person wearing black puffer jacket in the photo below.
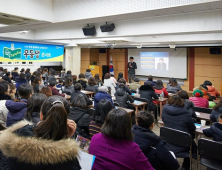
(122, 97)
(80, 115)
(151, 145)
(216, 112)
(215, 130)
(176, 116)
(147, 92)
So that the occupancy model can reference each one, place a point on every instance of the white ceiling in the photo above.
(144, 22)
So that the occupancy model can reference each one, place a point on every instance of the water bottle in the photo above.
(99, 84)
(60, 91)
(137, 91)
(162, 95)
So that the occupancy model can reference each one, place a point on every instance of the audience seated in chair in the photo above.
(99, 116)
(151, 145)
(211, 89)
(69, 87)
(17, 109)
(92, 86)
(173, 85)
(82, 80)
(198, 99)
(52, 86)
(79, 113)
(135, 84)
(114, 147)
(46, 145)
(176, 116)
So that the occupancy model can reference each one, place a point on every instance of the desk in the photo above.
(203, 116)
(216, 101)
(138, 104)
(161, 105)
(67, 97)
(88, 92)
(198, 131)
(129, 111)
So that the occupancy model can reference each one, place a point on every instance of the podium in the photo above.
(95, 70)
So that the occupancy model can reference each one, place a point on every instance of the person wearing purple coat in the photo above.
(114, 147)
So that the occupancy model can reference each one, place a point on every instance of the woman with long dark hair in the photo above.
(69, 87)
(46, 145)
(120, 76)
(34, 106)
(114, 147)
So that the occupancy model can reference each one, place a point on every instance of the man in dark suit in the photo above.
(161, 65)
(131, 69)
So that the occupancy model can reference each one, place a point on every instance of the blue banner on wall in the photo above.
(24, 51)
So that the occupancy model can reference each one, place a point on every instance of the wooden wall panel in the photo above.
(207, 67)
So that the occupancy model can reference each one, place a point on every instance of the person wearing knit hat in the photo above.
(102, 94)
(198, 99)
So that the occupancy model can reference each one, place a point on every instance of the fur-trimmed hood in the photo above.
(36, 151)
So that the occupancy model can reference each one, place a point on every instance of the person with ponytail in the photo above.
(44, 146)
(198, 99)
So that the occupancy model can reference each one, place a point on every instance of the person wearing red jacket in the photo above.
(211, 89)
(52, 86)
(159, 88)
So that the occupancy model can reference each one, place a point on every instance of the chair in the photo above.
(210, 153)
(92, 111)
(169, 91)
(141, 99)
(133, 91)
(116, 104)
(203, 110)
(66, 92)
(179, 138)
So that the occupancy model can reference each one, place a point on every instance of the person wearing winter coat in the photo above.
(102, 94)
(80, 115)
(123, 81)
(114, 147)
(211, 89)
(123, 98)
(189, 105)
(52, 86)
(82, 80)
(216, 112)
(18, 109)
(135, 84)
(204, 90)
(176, 116)
(69, 87)
(103, 108)
(108, 82)
(51, 77)
(92, 86)
(150, 79)
(88, 74)
(151, 145)
(215, 131)
(77, 91)
(27, 74)
(15, 73)
(37, 85)
(44, 146)
(21, 79)
(147, 92)
(68, 74)
(7, 77)
(173, 86)
(4, 90)
(34, 105)
(198, 99)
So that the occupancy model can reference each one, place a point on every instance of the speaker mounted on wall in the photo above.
(107, 27)
(215, 51)
(89, 30)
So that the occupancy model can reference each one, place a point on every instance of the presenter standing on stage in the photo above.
(131, 72)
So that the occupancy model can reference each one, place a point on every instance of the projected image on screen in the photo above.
(154, 60)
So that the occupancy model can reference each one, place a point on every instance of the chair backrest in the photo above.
(92, 111)
(141, 99)
(169, 91)
(157, 94)
(175, 137)
(66, 92)
(116, 104)
(202, 109)
(210, 149)
(133, 91)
